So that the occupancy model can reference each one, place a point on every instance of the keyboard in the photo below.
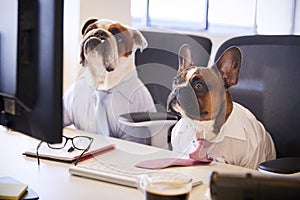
(103, 171)
(108, 172)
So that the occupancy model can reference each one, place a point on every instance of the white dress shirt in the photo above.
(79, 104)
(241, 141)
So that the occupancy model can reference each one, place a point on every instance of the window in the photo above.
(174, 13)
(226, 16)
(232, 15)
(278, 18)
(192, 14)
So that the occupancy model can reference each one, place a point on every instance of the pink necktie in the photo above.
(197, 157)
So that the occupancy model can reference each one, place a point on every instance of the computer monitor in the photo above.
(31, 65)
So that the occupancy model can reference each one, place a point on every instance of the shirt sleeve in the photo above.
(134, 99)
(142, 101)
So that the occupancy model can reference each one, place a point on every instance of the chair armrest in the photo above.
(139, 119)
(286, 165)
(158, 123)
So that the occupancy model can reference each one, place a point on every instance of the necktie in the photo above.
(201, 150)
(100, 112)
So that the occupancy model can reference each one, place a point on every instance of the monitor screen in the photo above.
(31, 65)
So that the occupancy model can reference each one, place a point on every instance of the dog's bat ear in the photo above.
(229, 65)
(87, 23)
(185, 57)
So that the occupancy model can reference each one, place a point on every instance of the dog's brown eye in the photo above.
(114, 30)
(198, 85)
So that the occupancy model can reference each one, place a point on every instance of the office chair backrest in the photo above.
(157, 65)
(269, 86)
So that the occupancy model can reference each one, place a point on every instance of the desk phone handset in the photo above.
(248, 186)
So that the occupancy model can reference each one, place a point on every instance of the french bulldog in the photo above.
(211, 124)
(108, 84)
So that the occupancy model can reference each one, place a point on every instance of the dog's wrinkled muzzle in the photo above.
(102, 45)
(172, 104)
(183, 99)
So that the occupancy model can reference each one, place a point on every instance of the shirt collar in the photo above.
(234, 127)
(127, 88)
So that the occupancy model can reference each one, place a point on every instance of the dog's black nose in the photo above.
(109, 69)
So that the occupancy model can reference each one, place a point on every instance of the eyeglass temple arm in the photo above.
(37, 152)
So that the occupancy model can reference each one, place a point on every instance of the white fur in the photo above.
(105, 23)
(190, 73)
(126, 68)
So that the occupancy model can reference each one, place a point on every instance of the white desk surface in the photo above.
(51, 180)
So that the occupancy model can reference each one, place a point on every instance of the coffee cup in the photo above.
(165, 186)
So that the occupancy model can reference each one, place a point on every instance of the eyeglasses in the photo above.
(78, 142)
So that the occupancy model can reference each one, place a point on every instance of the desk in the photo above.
(51, 180)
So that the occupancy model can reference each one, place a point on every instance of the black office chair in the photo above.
(269, 86)
(157, 66)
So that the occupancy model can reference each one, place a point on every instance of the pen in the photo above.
(96, 152)
(196, 183)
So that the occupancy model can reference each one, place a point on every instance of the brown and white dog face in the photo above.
(201, 93)
(105, 44)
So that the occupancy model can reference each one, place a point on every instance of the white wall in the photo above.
(118, 10)
(71, 41)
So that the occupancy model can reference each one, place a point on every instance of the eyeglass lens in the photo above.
(79, 142)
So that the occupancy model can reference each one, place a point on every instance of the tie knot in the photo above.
(101, 94)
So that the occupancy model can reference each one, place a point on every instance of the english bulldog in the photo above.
(108, 85)
(107, 49)
(211, 124)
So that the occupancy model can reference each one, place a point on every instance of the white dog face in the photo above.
(104, 47)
